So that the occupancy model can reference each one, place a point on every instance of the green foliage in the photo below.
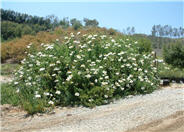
(91, 23)
(172, 73)
(86, 70)
(168, 71)
(12, 30)
(144, 45)
(76, 24)
(174, 54)
(9, 94)
(65, 23)
(9, 15)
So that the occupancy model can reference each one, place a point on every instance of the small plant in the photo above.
(86, 70)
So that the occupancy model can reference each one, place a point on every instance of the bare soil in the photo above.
(14, 119)
(172, 123)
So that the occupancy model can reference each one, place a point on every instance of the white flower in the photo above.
(70, 47)
(122, 89)
(104, 83)
(57, 39)
(78, 33)
(117, 73)
(58, 92)
(96, 80)
(51, 102)
(72, 35)
(53, 75)
(120, 81)
(128, 65)
(100, 67)
(77, 42)
(66, 38)
(58, 62)
(96, 72)
(49, 47)
(30, 65)
(38, 63)
(69, 78)
(124, 60)
(56, 69)
(141, 79)
(88, 76)
(42, 69)
(45, 93)
(131, 81)
(113, 40)
(90, 36)
(17, 91)
(37, 96)
(52, 65)
(28, 46)
(104, 72)
(101, 78)
(78, 56)
(77, 94)
(117, 84)
(79, 73)
(89, 49)
(106, 96)
(82, 66)
(15, 83)
(159, 60)
(142, 88)
(56, 81)
(69, 72)
(28, 83)
(29, 78)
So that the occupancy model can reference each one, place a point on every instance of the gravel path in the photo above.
(116, 117)
(5, 79)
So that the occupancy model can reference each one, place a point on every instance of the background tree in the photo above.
(90, 22)
(76, 24)
(174, 54)
(65, 23)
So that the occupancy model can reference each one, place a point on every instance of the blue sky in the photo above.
(117, 14)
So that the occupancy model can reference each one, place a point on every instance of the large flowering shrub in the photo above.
(84, 70)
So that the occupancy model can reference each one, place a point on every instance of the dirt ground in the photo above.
(172, 123)
(13, 119)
